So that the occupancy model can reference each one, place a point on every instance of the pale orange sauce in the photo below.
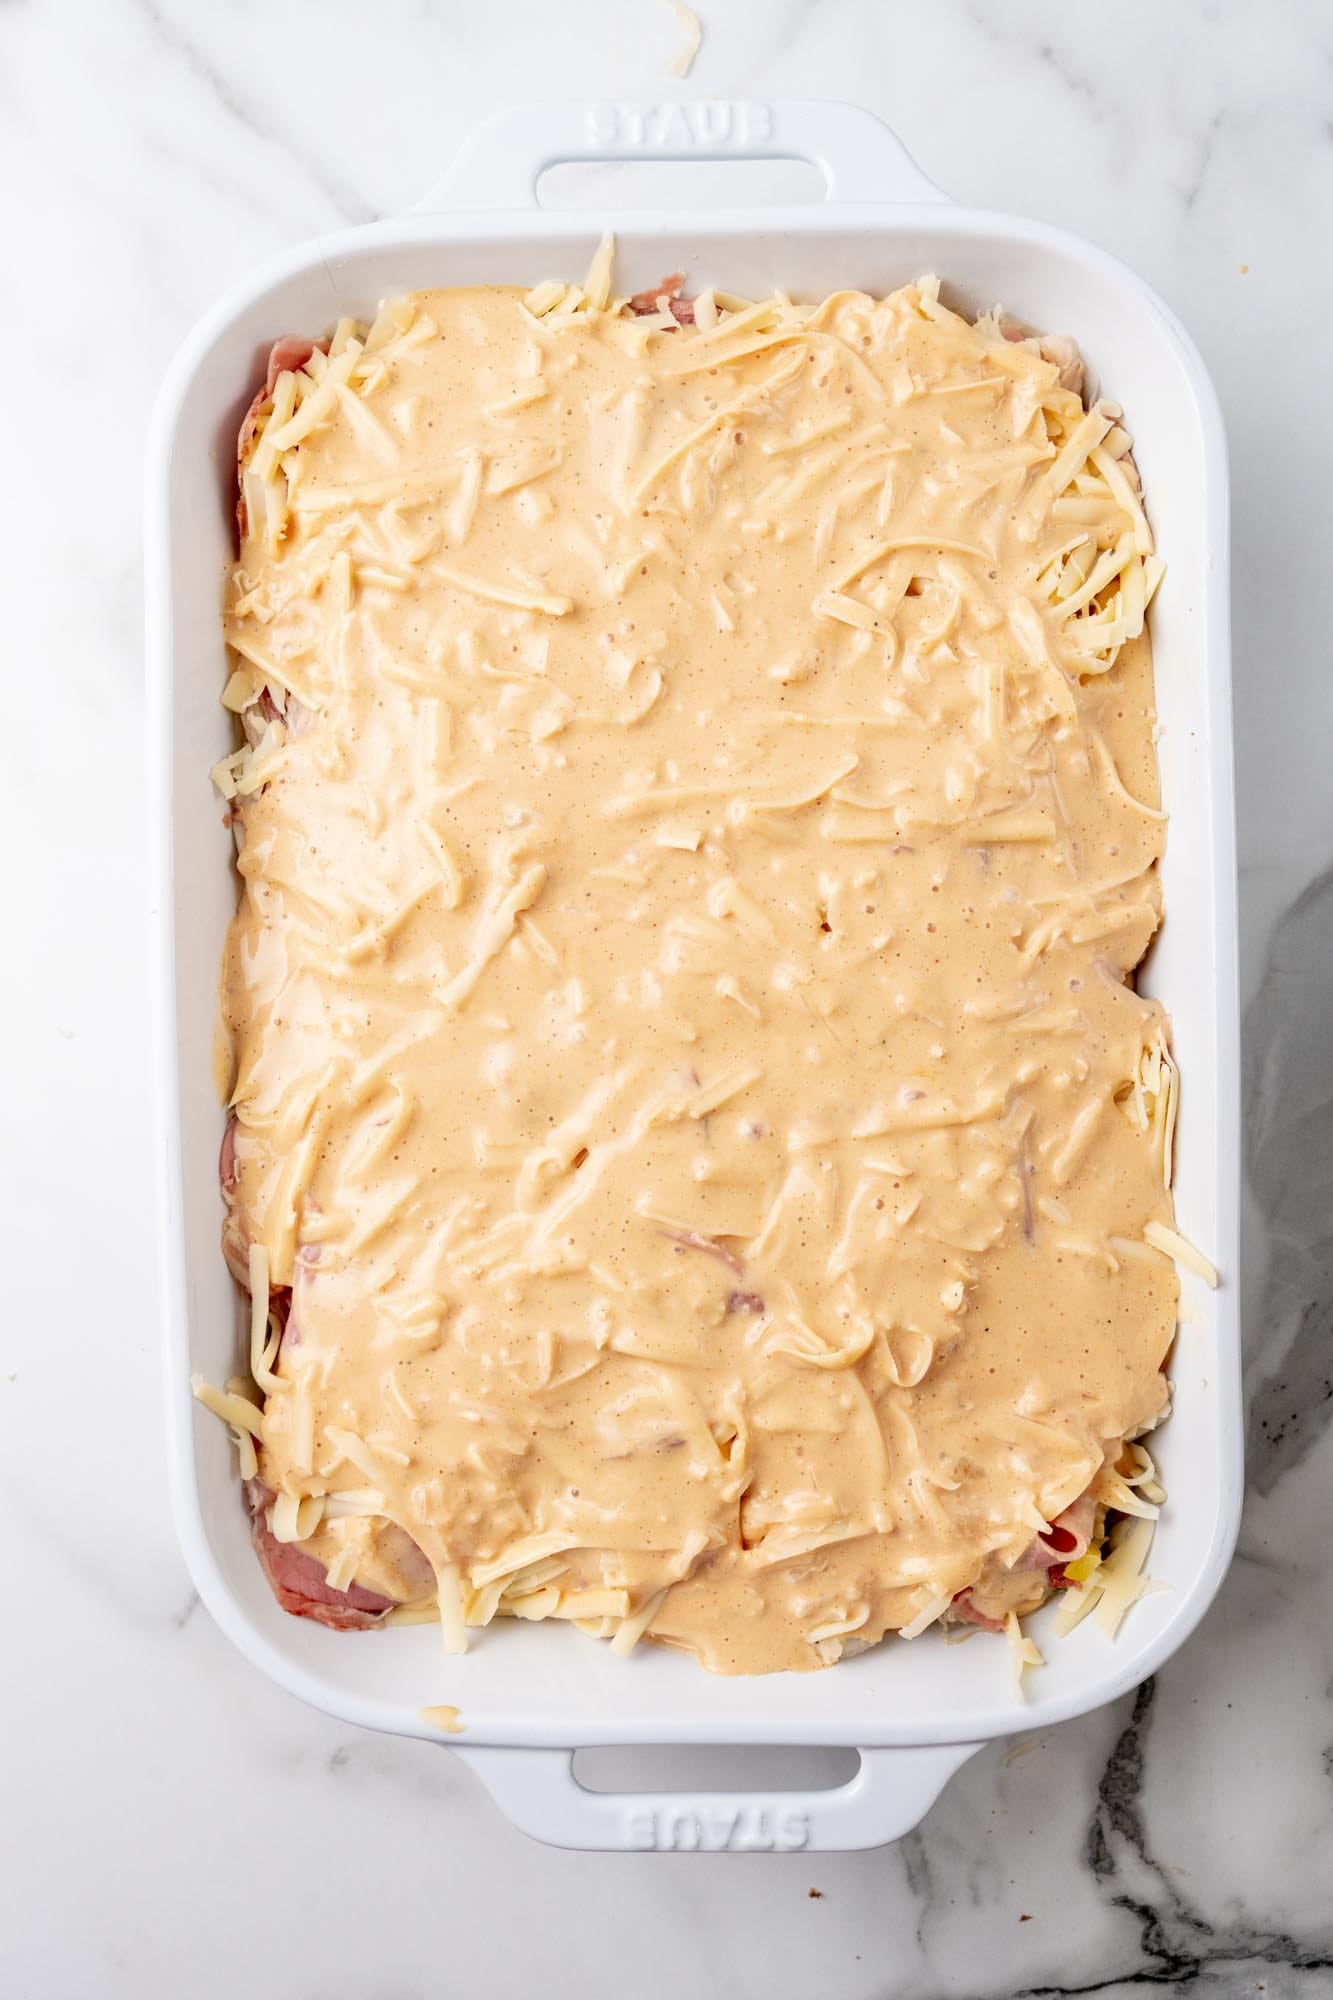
(678, 1032)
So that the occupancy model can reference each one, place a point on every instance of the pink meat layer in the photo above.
(289, 353)
(682, 310)
(298, 1581)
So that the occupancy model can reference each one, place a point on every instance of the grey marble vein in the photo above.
(347, 203)
(1180, 1947)
(1289, 1153)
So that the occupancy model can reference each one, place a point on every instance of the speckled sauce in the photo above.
(687, 1068)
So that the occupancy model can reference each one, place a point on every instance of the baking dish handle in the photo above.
(499, 164)
(889, 1795)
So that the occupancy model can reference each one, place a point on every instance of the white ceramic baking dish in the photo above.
(530, 1695)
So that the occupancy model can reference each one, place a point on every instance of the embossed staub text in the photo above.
(715, 1828)
(719, 125)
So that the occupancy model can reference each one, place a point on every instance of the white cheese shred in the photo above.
(444, 1716)
(1023, 1651)
(1172, 1244)
(632, 1629)
(693, 36)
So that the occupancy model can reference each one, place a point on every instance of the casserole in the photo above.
(913, 1710)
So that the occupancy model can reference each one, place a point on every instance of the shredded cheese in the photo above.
(295, 1517)
(263, 1349)
(1172, 1244)
(1023, 1651)
(1113, 1584)
(443, 1715)
(242, 1417)
(357, 547)
(632, 1628)
(933, 1609)
(693, 34)
(597, 284)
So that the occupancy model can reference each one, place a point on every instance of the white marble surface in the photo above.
(170, 1823)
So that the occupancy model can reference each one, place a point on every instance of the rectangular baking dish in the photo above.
(528, 1696)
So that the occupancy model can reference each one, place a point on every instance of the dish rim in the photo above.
(458, 230)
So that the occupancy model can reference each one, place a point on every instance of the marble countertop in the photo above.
(169, 1821)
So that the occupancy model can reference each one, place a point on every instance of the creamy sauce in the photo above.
(684, 1049)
